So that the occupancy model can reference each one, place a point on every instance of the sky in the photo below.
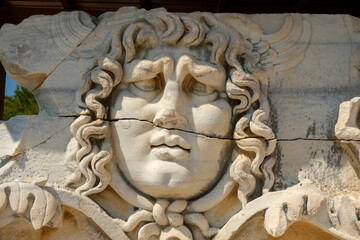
(10, 86)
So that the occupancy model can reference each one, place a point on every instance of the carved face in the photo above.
(171, 144)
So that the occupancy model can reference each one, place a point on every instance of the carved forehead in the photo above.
(177, 66)
(200, 54)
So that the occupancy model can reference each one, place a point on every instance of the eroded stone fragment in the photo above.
(24, 132)
(31, 50)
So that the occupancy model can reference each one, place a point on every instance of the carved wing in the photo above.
(286, 48)
(279, 51)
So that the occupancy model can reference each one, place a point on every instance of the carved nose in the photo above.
(168, 115)
(169, 118)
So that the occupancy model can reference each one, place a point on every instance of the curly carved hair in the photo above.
(245, 84)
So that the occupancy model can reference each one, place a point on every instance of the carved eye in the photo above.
(201, 89)
(146, 85)
(201, 92)
(148, 88)
(149, 85)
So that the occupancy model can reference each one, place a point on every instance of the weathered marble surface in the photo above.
(189, 126)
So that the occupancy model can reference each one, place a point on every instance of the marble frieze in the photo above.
(159, 125)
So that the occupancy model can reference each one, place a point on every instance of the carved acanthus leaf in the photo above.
(298, 203)
(347, 126)
(304, 202)
(347, 129)
(30, 201)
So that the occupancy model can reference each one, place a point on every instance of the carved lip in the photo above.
(167, 146)
(164, 139)
(170, 153)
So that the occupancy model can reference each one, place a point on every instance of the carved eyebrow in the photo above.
(143, 69)
(206, 74)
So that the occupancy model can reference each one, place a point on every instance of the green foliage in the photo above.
(22, 103)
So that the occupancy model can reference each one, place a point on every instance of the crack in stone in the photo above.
(68, 116)
(224, 138)
(177, 129)
(42, 142)
(315, 139)
(349, 140)
(306, 139)
(69, 56)
(5, 168)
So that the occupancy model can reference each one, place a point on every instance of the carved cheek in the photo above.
(126, 105)
(213, 119)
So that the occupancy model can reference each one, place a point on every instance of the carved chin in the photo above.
(170, 181)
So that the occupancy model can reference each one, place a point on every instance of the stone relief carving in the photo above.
(348, 132)
(171, 137)
(347, 128)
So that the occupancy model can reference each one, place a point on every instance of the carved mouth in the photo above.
(170, 153)
(165, 142)
(174, 147)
